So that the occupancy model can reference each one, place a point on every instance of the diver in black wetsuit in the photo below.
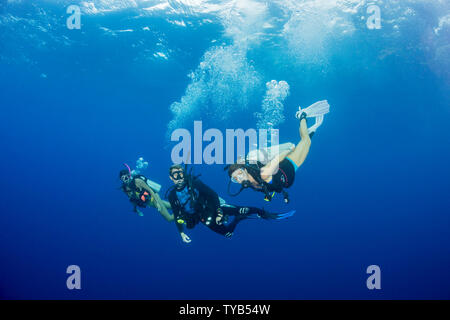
(193, 202)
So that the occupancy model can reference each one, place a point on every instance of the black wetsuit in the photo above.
(283, 178)
(205, 204)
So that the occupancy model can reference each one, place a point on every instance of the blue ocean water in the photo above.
(77, 104)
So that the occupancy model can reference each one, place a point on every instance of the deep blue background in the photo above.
(374, 189)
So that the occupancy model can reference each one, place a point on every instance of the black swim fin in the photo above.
(277, 216)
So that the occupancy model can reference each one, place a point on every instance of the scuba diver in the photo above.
(193, 202)
(143, 192)
(278, 174)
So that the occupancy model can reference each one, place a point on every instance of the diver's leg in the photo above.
(162, 207)
(242, 213)
(298, 155)
(167, 204)
(223, 230)
(237, 214)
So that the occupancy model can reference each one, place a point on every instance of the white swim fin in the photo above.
(316, 109)
(313, 128)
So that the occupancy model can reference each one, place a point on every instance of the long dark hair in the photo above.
(235, 166)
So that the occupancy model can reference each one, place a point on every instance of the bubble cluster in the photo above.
(221, 85)
(272, 109)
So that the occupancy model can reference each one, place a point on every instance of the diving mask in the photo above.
(125, 179)
(177, 175)
(239, 176)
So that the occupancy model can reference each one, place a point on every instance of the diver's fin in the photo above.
(277, 216)
(313, 128)
(316, 109)
(286, 215)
